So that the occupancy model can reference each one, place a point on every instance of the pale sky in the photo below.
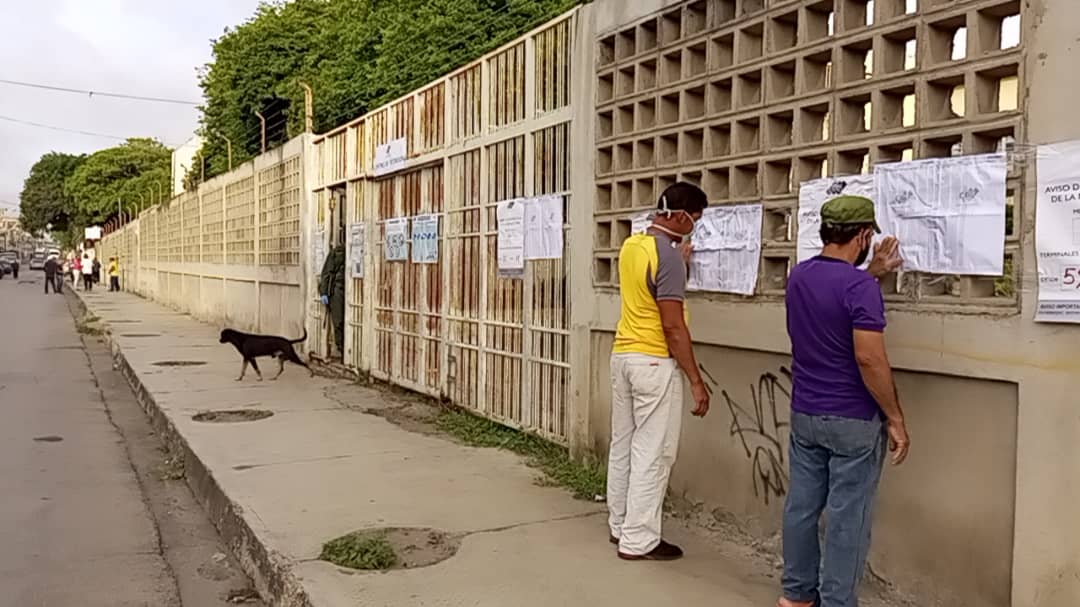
(142, 47)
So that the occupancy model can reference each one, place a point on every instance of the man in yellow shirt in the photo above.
(114, 274)
(652, 344)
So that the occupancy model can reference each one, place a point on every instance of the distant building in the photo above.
(10, 232)
(183, 159)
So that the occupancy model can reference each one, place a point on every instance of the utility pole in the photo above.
(262, 121)
(309, 108)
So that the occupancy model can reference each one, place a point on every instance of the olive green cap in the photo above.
(849, 210)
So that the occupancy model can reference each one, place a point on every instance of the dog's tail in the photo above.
(302, 339)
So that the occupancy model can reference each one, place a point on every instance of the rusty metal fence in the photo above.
(227, 252)
(493, 130)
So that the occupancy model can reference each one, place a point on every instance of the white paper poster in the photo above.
(948, 213)
(390, 157)
(814, 194)
(425, 239)
(511, 237)
(318, 248)
(727, 250)
(396, 239)
(640, 223)
(544, 227)
(1057, 232)
(356, 250)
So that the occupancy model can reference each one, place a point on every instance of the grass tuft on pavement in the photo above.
(585, 479)
(366, 550)
(86, 326)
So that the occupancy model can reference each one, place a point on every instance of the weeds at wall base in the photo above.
(585, 480)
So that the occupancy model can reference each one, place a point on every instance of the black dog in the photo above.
(253, 346)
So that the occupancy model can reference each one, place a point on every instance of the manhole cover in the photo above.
(140, 335)
(391, 548)
(179, 363)
(234, 416)
(48, 439)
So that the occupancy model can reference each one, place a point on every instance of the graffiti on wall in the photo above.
(757, 425)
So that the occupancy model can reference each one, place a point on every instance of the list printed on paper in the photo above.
(947, 213)
(425, 239)
(544, 227)
(356, 250)
(396, 239)
(814, 194)
(510, 240)
(727, 250)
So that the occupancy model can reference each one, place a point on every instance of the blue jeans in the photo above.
(835, 466)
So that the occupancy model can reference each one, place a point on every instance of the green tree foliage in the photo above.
(43, 200)
(355, 54)
(123, 173)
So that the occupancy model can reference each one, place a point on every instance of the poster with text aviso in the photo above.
(1057, 232)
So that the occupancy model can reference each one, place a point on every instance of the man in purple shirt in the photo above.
(843, 404)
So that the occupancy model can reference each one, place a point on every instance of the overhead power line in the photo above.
(89, 93)
(65, 129)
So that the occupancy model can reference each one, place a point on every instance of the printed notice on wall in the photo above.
(947, 213)
(356, 250)
(544, 227)
(510, 248)
(727, 250)
(425, 239)
(814, 194)
(390, 157)
(318, 248)
(1057, 232)
(396, 239)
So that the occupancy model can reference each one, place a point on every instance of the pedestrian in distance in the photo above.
(87, 272)
(76, 271)
(95, 270)
(54, 275)
(114, 274)
(845, 411)
(652, 353)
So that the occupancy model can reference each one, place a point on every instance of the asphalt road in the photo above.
(90, 511)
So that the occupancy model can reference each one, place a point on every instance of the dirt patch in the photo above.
(232, 416)
(179, 363)
(391, 548)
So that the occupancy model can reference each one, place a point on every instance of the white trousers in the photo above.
(646, 418)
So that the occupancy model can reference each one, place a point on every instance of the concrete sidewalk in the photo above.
(319, 468)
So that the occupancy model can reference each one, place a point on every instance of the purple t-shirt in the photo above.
(827, 299)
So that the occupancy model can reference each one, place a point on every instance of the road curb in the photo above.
(270, 571)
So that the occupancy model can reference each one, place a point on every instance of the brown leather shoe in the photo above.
(663, 552)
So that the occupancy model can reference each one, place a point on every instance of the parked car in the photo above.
(5, 267)
(37, 261)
